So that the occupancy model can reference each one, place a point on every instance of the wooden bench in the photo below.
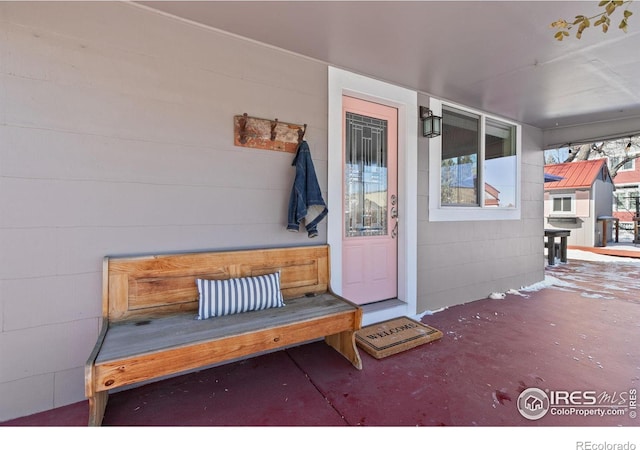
(150, 303)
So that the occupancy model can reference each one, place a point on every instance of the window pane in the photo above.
(562, 204)
(365, 209)
(500, 167)
(615, 160)
(459, 166)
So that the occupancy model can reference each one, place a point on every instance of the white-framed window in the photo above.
(629, 165)
(563, 204)
(625, 198)
(474, 166)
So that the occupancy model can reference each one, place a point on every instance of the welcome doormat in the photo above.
(394, 336)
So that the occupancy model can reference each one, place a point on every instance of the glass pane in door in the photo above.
(366, 191)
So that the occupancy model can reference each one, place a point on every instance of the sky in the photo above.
(560, 154)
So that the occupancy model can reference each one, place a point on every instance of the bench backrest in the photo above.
(155, 285)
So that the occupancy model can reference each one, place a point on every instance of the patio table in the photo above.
(551, 235)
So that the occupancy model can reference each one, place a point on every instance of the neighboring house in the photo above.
(467, 193)
(459, 186)
(118, 138)
(627, 182)
(492, 195)
(577, 201)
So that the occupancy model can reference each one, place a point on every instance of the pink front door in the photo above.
(370, 193)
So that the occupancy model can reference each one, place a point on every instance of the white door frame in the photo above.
(342, 83)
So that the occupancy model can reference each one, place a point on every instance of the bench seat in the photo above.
(164, 340)
(150, 328)
(126, 339)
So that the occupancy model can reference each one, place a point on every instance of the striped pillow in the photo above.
(238, 295)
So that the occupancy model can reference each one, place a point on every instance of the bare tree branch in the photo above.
(620, 152)
(579, 153)
(598, 147)
(614, 170)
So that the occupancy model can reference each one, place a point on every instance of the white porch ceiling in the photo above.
(499, 56)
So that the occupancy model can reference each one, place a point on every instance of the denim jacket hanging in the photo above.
(306, 201)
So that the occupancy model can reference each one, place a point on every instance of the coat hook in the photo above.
(243, 128)
(273, 129)
(301, 132)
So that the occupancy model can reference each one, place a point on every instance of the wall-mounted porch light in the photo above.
(431, 125)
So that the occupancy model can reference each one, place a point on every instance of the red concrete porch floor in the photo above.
(579, 334)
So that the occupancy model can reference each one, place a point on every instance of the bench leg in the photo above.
(97, 406)
(345, 344)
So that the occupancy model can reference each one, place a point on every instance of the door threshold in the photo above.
(383, 310)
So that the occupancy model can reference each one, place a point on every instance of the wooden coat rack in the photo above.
(267, 134)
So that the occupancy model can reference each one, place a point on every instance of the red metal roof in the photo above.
(580, 174)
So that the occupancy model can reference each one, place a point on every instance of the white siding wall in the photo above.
(590, 204)
(116, 131)
(580, 232)
(464, 261)
(582, 228)
(603, 206)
